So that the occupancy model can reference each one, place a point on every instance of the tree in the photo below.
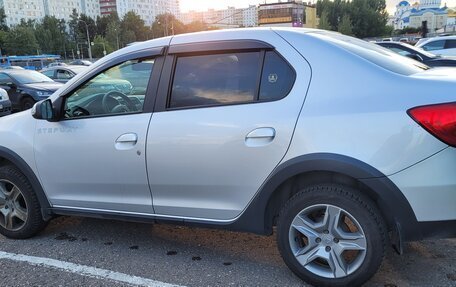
(21, 41)
(3, 26)
(51, 35)
(324, 23)
(345, 26)
(167, 24)
(133, 28)
(113, 34)
(103, 22)
(368, 18)
(99, 44)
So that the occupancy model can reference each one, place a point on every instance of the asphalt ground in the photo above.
(95, 252)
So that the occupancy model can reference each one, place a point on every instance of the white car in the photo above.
(439, 45)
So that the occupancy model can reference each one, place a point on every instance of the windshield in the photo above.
(374, 53)
(30, 77)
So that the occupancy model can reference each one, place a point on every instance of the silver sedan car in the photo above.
(345, 147)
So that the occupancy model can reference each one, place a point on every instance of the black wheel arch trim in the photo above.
(15, 159)
(391, 201)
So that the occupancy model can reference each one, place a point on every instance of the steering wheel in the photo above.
(119, 108)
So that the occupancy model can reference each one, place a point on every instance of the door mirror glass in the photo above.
(43, 110)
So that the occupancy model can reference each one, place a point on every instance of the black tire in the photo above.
(346, 199)
(27, 103)
(34, 222)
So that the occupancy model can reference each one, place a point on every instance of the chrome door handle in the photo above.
(260, 137)
(126, 141)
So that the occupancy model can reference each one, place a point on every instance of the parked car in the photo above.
(12, 67)
(81, 62)
(26, 87)
(56, 64)
(341, 144)
(5, 103)
(419, 54)
(439, 45)
(63, 74)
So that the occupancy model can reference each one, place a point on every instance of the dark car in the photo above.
(26, 87)
(5, 104)
(420, 55)
(63, 74)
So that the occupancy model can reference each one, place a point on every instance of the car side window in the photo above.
(49, 73)
(118, 90)
(450, 44)
(277, 78)
(5, 79)
(435, 45)
(206, 80)
(64, 75)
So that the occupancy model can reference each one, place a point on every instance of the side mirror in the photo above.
(43, 110)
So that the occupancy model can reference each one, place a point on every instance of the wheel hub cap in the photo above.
(13, 208)
(327, 241)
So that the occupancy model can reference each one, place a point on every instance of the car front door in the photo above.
(223, 122)
(93, 158)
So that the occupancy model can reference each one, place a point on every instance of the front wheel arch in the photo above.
(8, 157)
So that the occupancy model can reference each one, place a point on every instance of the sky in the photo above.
(202, 5)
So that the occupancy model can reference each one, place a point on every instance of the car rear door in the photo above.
(223, 120)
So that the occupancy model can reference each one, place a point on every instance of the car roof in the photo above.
(16, 71)
(438, 38)
(67, 67)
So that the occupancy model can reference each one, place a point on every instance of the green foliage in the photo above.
(133, 28)
(3, 26)
(324, 22)
(99, 44)
(55, 36)
(51, 35)
(21, 40)
(408, 30)
(345, 26)
(368, 17)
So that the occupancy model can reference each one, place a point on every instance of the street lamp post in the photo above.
(88, 38)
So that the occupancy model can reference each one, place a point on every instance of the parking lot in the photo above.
(113, 253)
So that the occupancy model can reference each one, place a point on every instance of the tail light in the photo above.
(439, 120)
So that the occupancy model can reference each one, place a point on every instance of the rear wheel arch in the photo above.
(9, 157)
(319, 168)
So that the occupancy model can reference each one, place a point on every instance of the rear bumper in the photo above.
(430, 188)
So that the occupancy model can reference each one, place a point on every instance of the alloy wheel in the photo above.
(13, 208)
(327, 241)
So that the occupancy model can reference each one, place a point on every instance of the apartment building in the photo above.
(226, 18)
(16, 10)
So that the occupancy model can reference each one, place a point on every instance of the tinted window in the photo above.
(450, 44)
(4, 79)
(64, 75)
(49, 73)
(120, 89)
(215, 79)
(277, 79)
(436, 45)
